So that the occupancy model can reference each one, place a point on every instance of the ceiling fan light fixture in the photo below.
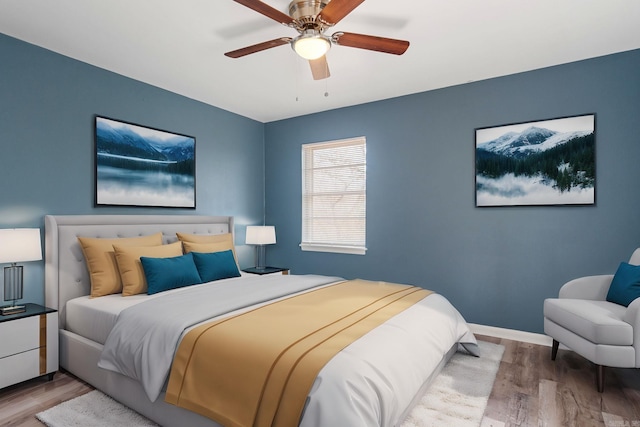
(311, 45)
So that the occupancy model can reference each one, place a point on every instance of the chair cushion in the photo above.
(625, 286)
(597, 321)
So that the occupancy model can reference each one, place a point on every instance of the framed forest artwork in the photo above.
(546, 162)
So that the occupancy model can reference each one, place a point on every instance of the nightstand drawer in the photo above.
(19, 367)
(28, 344)
(19, 336)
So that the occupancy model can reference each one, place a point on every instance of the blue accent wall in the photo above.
(47, 107)
(496, 265)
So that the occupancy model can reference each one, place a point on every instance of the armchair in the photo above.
(603, 332)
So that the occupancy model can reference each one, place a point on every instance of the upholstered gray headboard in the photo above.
(66, 274)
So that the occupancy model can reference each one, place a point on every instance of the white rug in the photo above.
(457, 398)
(93, 409)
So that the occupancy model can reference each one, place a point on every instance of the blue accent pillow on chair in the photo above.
(163, 274)
(215, 265)
(625, 286)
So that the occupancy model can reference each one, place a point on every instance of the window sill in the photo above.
(314, 247)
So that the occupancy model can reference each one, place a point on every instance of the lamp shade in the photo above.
(20, 244)
(261, 235)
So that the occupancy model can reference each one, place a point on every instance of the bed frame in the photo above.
(66, 277)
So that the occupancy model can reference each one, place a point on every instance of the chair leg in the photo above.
(554, 349)
(600, 378)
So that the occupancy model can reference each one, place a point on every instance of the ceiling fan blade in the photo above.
(258, 47)
(320, 68)
(267, 11)
(363, 41)
(336, 10)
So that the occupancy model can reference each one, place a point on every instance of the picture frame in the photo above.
(538, 163)
(142, 166)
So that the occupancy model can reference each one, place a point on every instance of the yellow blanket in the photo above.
(257, 368)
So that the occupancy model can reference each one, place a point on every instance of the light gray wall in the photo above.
(495, 264)
(47, 107)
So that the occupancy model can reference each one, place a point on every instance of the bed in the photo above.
(378, 359)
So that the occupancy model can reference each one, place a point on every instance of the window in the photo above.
(334, 183)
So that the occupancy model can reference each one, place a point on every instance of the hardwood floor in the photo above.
(530, 390)
(20, 403)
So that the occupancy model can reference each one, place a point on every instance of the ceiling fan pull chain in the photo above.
(326, 84)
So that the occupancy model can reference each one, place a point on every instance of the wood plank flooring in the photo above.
(20, 403)
(530, 390)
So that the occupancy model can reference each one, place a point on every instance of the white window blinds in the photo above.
(334, 183)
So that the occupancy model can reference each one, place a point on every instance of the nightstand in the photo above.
(266, 270)
(28, 345)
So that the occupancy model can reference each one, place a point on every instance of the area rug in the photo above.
(93, 409)
(457, 398)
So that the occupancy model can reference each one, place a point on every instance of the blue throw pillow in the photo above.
(163, 274)
(625, 286)
(215, 265)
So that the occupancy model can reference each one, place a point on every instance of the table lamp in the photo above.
(17, 245)
(260, 235)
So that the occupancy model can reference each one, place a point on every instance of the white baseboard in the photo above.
(511, 334)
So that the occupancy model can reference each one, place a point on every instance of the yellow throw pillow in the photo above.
(101, 260)
(207, 243)
(206, 238)
(131, 271)
(206, 247)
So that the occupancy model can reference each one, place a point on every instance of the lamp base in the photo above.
(260, 257)
(12, 309)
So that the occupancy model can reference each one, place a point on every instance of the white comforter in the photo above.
(369, 383)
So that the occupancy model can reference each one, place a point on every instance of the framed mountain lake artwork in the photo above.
(541, 163)
(141, 166)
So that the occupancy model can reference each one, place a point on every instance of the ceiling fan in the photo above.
(311, 18)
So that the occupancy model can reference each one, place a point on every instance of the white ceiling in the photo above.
(178, 45)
